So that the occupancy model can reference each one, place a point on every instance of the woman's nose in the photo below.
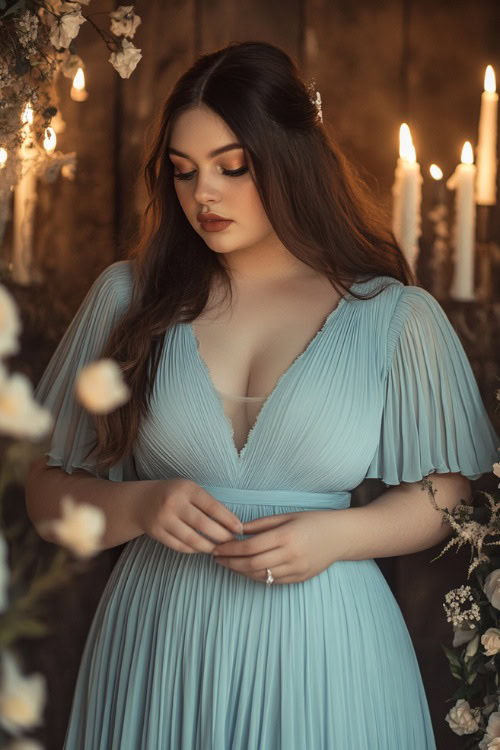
(205, 189)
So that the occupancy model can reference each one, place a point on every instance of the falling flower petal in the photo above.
(80, 528)
(20, 415)
(100, 387)
(10, 323)
(22, 698)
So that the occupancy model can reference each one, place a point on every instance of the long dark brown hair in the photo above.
(343, 233)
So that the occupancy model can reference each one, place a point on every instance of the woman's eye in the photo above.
(227, 172)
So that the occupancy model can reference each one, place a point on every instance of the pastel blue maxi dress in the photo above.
(184, 654)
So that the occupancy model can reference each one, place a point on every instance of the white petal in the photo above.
(100, 386)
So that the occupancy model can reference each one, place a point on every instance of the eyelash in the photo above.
(227, 172)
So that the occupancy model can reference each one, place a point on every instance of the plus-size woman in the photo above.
(279, 351)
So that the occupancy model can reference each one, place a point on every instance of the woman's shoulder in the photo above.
(119, 274)
(378, 290)
(393, 293)
(115, 281)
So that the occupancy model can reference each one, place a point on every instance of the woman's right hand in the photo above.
(175, 511)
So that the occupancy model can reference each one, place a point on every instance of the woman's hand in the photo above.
(181, 514)
(295, 546)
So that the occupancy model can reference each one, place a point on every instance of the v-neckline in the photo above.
(239, 455)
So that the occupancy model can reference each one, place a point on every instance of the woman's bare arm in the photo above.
(119, 500)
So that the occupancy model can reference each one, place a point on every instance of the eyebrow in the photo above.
(211, 154)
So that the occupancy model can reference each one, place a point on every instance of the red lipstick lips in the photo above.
(204, 217)
(211, 222)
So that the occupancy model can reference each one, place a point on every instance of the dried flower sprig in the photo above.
(474, 613)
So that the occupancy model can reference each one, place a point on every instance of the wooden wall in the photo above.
(376, 63)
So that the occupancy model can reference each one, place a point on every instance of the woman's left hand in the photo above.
(295, 546)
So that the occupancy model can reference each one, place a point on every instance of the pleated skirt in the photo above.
(184, 654)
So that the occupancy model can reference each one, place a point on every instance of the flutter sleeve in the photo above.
(433, 417)
(73, 432)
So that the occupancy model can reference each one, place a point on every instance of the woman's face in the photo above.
(204, 183)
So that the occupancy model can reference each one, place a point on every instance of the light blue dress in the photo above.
(184, 654)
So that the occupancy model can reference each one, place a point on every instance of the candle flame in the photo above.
(79, 80)
(489, 80)
(467, 155)
(406, 147)
(28, 114)
(436, 172)
(3, 156)
(49, 142)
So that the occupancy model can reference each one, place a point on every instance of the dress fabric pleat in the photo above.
(184, 654)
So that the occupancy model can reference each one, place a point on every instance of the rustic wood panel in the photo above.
(375, 64)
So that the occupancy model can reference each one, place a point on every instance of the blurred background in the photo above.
(377, 64)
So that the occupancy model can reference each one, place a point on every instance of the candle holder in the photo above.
(487, 255)
(439, 250)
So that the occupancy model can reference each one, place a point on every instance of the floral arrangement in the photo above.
(77, 532)
(474, 613)
(37, 43)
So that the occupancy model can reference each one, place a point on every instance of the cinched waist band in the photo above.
(335, 500)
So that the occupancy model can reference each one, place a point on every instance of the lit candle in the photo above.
(487, 142)
(78, 93)
(3, 157)
(437, 176)
(49, 142)
(407, 198)
(463, 236)
(25, 198)
(438, 215)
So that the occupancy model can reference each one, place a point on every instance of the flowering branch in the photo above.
(474, 613)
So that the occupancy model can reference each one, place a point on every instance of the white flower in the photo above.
(20, 414)
(10, 323)
(492, 733)
(100, 386)
(4, 574)
(471, 648)
(25, 743)
(70, 65)
(462, 719)
(126, 60)
(124, 21)
(491, 641)
(492, 588)
(80, 528)
(66, 28)
(463, 634)
(496, 470)
(27, 28)
(22, 698)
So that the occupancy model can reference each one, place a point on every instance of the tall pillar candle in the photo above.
(463, 234)
(25, 198)
(407, 198)
(487, 142)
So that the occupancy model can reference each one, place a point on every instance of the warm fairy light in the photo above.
(436, 172)
(489, 80)
(467, 155)
(3, 157)
(78, 93)
(49, 142)
(28, 114)
(406, 147)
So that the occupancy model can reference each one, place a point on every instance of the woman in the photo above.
(329, 365)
